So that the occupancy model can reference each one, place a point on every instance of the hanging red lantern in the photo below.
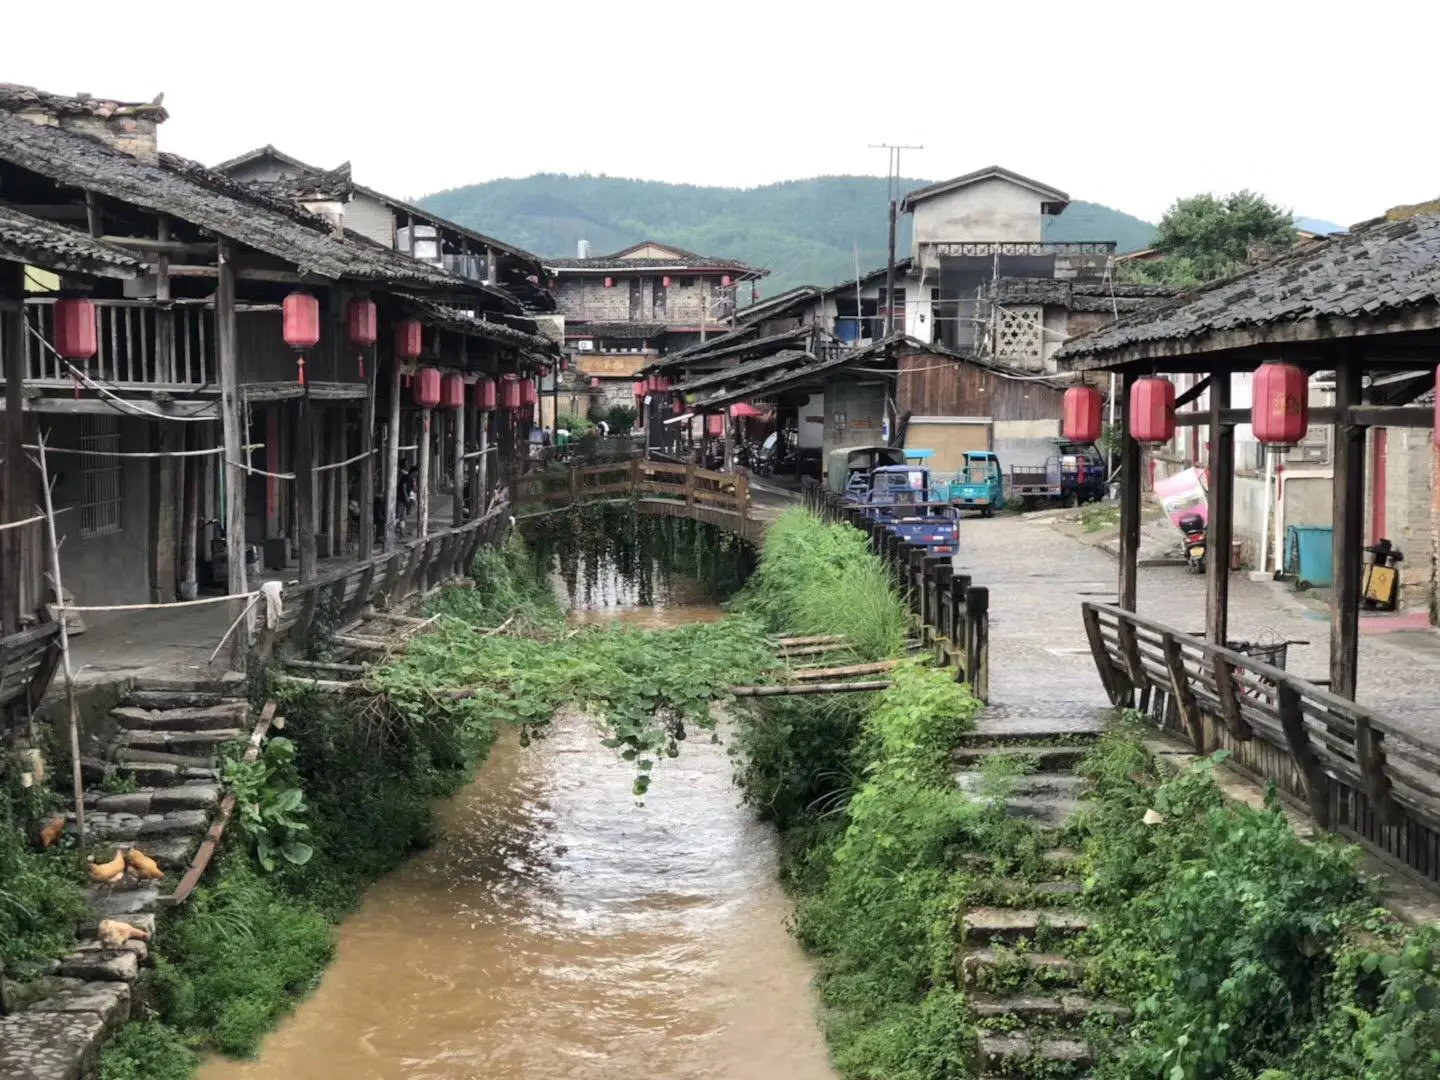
(510, 392)
(1081, 422)
(426, 387)
(715, 424)
(76, 335)
(725, 282)
(1151, 415)
(485, 394)
(360, 326)
(679, 407)
(1280, 413)
(609, 282)
(452, 391)
(594, 382)
(528, 395)
(407, 339)
(639, 388)
(301, 327)
(665, 282)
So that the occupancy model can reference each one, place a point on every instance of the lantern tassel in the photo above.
(300, 364)
(362, 363)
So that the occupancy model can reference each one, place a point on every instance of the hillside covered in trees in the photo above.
(805, 231)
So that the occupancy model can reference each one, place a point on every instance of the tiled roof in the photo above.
(1053, 196)
(447, 318)
(1380, 268)
(783, 358)
(54, 247)
(629, 331)
(17, 98)
(1078, 295)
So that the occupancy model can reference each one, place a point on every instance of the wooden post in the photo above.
(305, 485)
(1347, 552)
(1222, 512)
(1110, 676)
(457, 467)
(392, 457)
(1129, 507)
(423, 528)
(476, 488)
(164, 313)
(12, 285)
(231, 416)
(742, 493)
(1292, 722)
(163, 515)
(1180, 686)
(483, 461)
(190, 515)
(340, 486)
(977, 641)
(366, 525)
(1235, 723)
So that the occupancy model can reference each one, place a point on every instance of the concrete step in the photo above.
(102, 965)
(997, 728)
(1018, 893)
(1006, 926)
(1040, 1010)
(1035, 785)
(158, 774)
(190, 766)
(122, 900)
(174, 699)
(1000, 969)
(155, 800)
(176, 742)
(1026, 1053)
(229, 682)
(230, 714)
(122, 828)
(1047, 758)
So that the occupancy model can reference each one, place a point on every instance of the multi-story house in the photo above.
(623, 311)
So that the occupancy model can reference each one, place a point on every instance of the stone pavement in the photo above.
(1040, 660)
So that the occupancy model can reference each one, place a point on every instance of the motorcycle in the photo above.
(1192, 528)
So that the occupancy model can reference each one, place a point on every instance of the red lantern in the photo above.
(725, 282)
(360, 327)
(665, 282)
(528, 396)
(301, 326)
(1151, 415)
(407, 339)
(485, 394)
(76, 336)
(609, 282)
(594, 382)
(1280, 413)
(510, 393)
(452, 392)
(679, 407)
(639, 388)
(426, 387)
(1082, 415)
(715, 424)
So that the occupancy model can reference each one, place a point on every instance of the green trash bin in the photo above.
(1307, 555)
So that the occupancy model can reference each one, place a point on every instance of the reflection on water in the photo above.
(659, 603)
(561, 931)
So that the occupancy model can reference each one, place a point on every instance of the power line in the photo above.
(892, 183)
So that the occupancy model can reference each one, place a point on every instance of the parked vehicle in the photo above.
(979, 484)
(850, 461)
(1074, 474)
(899, 497)
(1192, 527)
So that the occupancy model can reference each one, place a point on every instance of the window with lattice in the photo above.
(1020, 335)
(101, 475)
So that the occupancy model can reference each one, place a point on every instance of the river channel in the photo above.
(559, 930)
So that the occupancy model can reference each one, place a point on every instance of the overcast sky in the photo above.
(1327, 109)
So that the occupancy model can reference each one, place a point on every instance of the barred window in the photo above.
(100, 505)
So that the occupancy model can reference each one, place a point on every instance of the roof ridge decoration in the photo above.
(17, 98)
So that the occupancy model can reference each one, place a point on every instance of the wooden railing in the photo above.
(951, 615)
(719, 498)
(28, 660)
(386, 580)
(1373, 778)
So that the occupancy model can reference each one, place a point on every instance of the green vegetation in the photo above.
(1203, 238)
(805, 231)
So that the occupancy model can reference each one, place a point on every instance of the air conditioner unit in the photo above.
(585, 346)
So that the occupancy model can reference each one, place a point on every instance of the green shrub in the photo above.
(148, 1050)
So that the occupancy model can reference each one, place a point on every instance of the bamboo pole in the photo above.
(810, 688)
(815, 650)
(325, 665)
(803, 674)
(813, 639)
(77, 778)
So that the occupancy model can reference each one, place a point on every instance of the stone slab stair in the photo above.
(1019, 961)
(167, 736)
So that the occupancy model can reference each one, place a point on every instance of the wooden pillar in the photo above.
(273, 459)
(392, 456)
(190, 515)
(1222, 512)
(483, 471)
(476, 429)
(231, 418)
(339, 483)
(1129, 506)
(366, 524)
(163, 513)
(12, 285)
(423, 486)
(164, 313)
(1348, 552)
(457, 467)
(305, 485)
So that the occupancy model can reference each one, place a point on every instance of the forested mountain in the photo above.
(806, 231)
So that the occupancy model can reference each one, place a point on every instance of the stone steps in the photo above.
(175, 742)
(1025, 1054)
(230, 682)
(228, 714)
(159, 774)
(993, 970)
(171, 698)
(1048, 799)
(155, 800)
(189, 764)
(1034, 1010)
(1047, 759)
(1007, 926)
(120, 827)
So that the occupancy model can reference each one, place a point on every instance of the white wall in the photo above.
(990, 210)
(371, 218)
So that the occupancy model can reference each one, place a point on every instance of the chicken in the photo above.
(51, 832)
(114, 934)
(110, 872)
(146, 869)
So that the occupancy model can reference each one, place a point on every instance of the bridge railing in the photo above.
(28, 660)
(1370, 777)
(951, 615)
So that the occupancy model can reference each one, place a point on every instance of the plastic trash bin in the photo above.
(1307, 555)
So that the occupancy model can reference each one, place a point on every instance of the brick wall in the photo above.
(1409, 520)
(585, 297)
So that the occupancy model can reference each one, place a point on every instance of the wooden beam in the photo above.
(1129, 506)
(161, 244)
(94, 219)
(227, 360)
(1194, 392)
(1347, 552)
(1221, 526)
(12, 283)
(1393, 416)
(305, 487)
(1235, 723)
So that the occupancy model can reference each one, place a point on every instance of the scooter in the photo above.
(1192, 527)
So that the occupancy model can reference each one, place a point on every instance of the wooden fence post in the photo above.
(1116, 687)
(1292, 721)
(1184, 697)
(977, 640)
(929, 596)
(742, 492)
(959, 586)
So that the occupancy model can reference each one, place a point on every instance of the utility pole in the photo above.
(892, 176)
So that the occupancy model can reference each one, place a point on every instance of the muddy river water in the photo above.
(560, 931)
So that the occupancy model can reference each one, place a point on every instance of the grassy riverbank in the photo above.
(1242, 952)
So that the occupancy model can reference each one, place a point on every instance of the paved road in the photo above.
(1038, 578)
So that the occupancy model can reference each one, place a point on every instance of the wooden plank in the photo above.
(1221, 525)
(1130, 656)
(1370, 757)
(423, 484)
(1292, 723)
(810, 674)
(811, 688)
(1225, 693)
(1117, 687)
(305, 487)
(1184, 698)
(1347, 551)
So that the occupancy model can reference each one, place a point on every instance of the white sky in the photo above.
(1327, 108)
